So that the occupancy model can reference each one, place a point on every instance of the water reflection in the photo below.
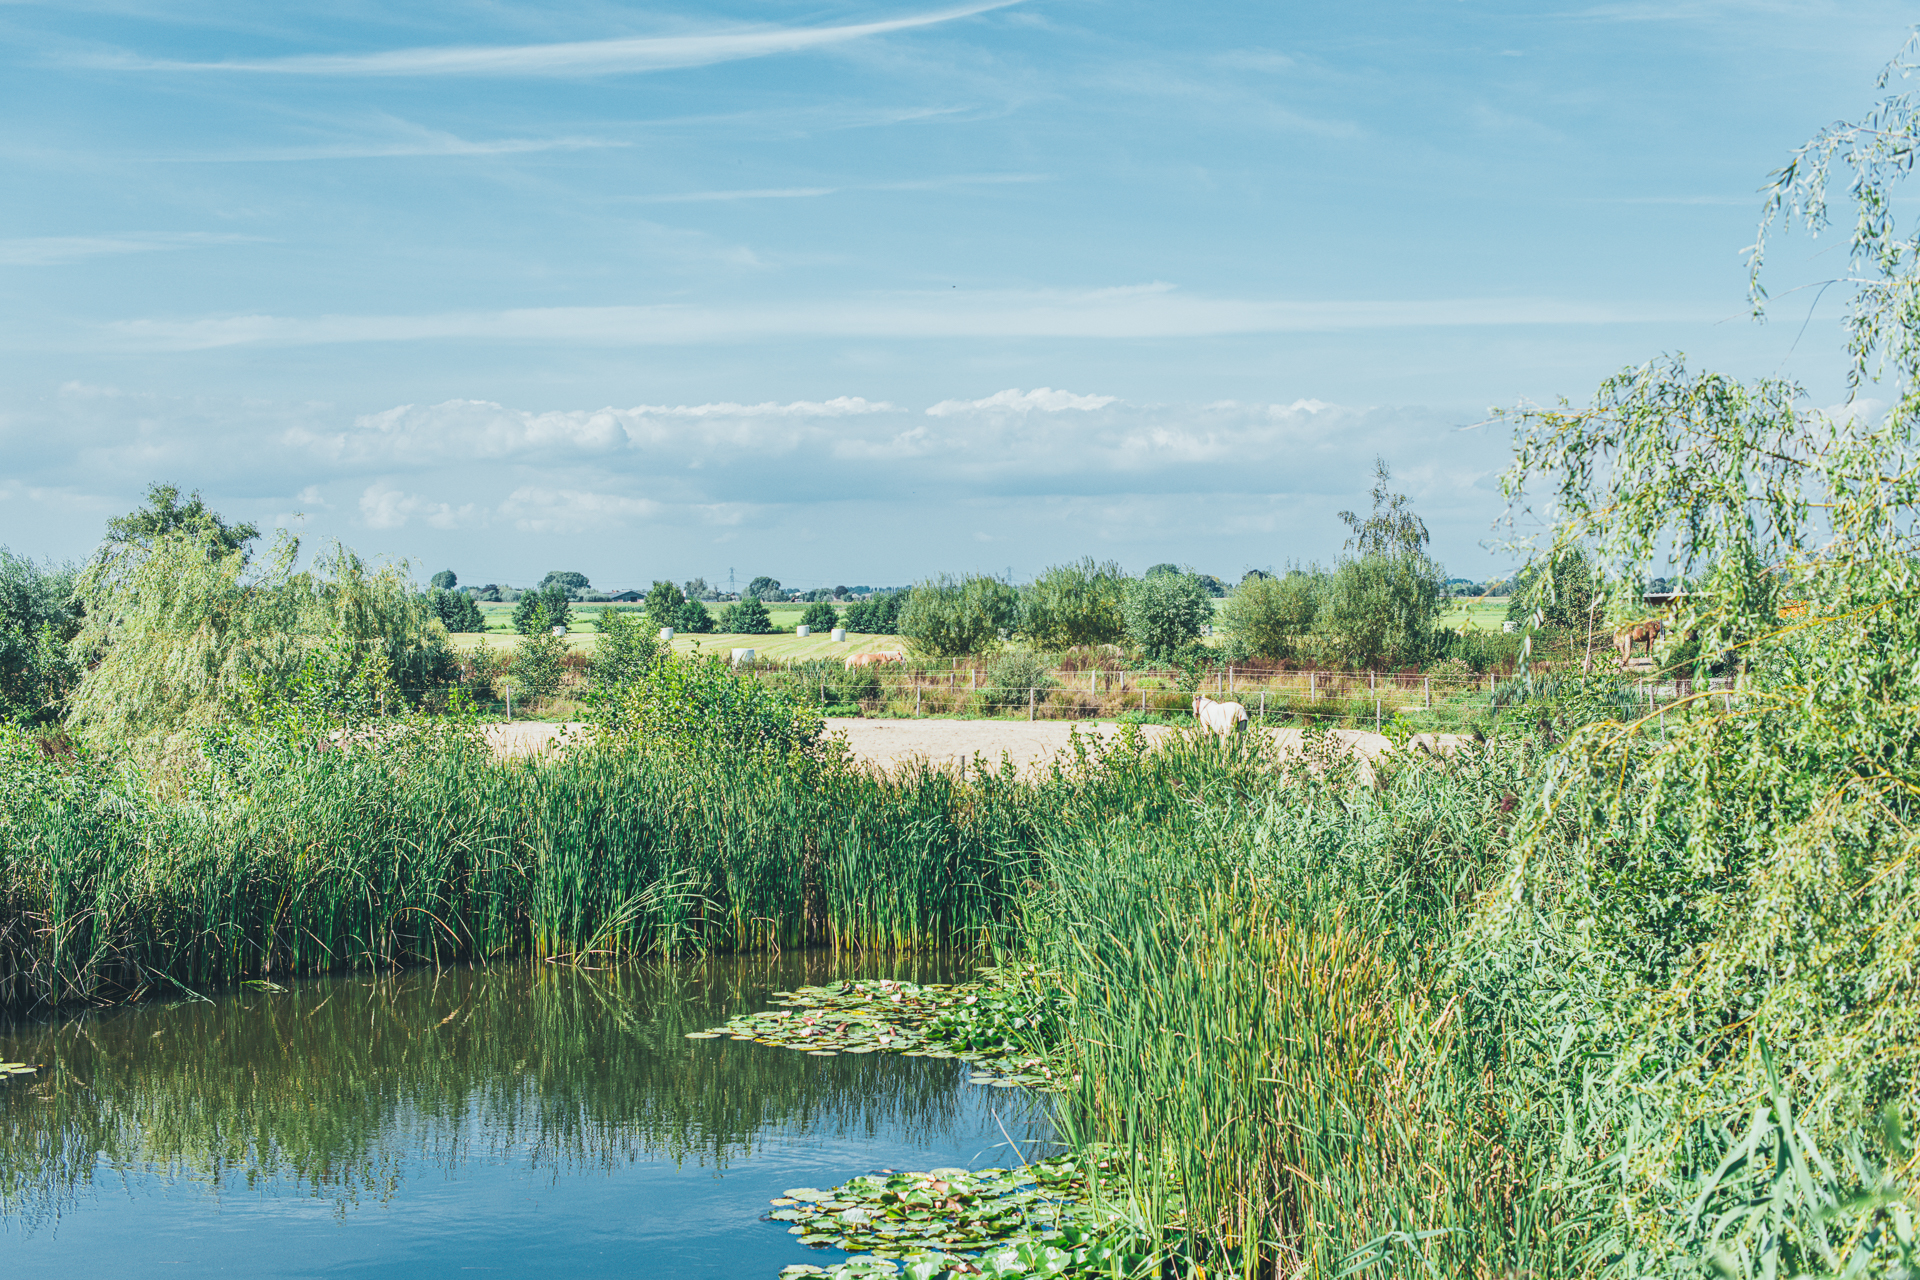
(417, 1105)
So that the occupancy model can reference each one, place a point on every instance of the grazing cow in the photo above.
(1223, 718)
(1636, 633)
(874, 659)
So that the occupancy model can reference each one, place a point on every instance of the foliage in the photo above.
(456, 610)
(627, 647)
(663, 605)
(1074, 604)
(950, 616)
(699, 702)
(1381, 611)
(566, 580)
(747, 618)
(538, 660)
(1165, 610)
(38, 617)
(549, 603)
(179, 639)
(445, 580)
(693, 618)
(1154, 571)
(820, 616)
(1010, 677)
(1561, 590)
(165, 516)
(763, 588)
(879, 616)
(1274, 617)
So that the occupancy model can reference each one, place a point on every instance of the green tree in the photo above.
(179, 640)
(694, 619)
(1164, 611)
(539, 659)
(625, 649)
(567, 581)
(949, 616)
(550, 603)
(456, 610)
(165, 515)
(445, 580)
(663, 605)
(763, 588)
(747, 618)
(38, 617)
(1078, 603)
(1382, 604)
(820, 616)
(1275, 617)
(1562, 590)
(877, 616)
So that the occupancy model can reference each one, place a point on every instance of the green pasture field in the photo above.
(781, 646)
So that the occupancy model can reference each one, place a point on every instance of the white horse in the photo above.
(1223, 718)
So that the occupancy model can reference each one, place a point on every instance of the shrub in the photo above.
(1274, 617)
(663, 605)
(699, 701)
(1380, 610)
(37, 618)
(950, 617)
(626, 650)
(550, 602)
(878, 616)
(820, 616)
(1074, 604)
(456, 610)
(694, 618)
(748, 618)
(1010, 675)
(1165, 610)
(537, 661)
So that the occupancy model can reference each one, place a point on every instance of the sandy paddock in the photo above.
(947, 743)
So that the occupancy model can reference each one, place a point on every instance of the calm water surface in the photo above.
(514, 1118)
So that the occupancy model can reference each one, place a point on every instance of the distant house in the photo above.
(628, 597)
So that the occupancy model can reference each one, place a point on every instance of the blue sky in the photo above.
(857, 292)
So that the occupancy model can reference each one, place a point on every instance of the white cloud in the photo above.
(1134, 311)
(577, 58)
(382, 507)
(47, 251)
(1017, 401)
(540, 510)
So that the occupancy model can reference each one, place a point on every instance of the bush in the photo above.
(37, 618)
(1011, 675)
(950, 617)
(700, 702)
(1380, 610)
(820, 616)
(1074, 604)
(879, 616)
(626, 650)
(550, 602)
(694, 619)
(1274, 617)
(537, 661)
(1165, 610)
(663, 605)
(456, 610)
(748, 618)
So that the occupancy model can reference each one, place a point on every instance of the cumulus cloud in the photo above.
(574, 58)
(384, 507)
(1017, 401)
(538, 510)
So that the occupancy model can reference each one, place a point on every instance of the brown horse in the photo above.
(1634, 633)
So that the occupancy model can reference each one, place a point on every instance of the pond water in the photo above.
(518, 1118)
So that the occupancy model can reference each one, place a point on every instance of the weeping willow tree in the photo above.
(183, 633)
(1730, 1052)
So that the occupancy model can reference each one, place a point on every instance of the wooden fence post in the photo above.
(1429, 680)
(1030, 702)
(916, 697)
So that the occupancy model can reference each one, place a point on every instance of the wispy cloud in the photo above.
(584, 57)
(49, 251)
(1139, 311)
(438, 145)
(801, 193)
